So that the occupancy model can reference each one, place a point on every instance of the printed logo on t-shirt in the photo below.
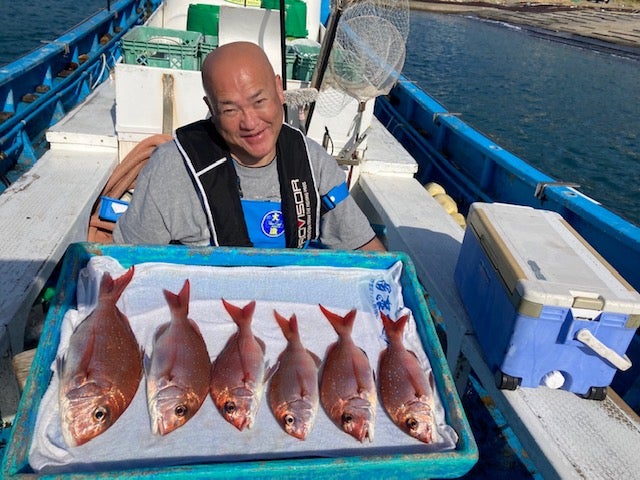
(272, 224)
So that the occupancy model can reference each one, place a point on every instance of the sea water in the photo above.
(26, 25)
(571, 112)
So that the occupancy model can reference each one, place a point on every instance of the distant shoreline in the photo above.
(534, 6)
(607, 27)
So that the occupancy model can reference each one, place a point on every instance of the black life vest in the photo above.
(209, 162)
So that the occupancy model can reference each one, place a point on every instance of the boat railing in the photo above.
(38, 89)
(471, 167)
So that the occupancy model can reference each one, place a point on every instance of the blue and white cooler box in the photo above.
(546, 308)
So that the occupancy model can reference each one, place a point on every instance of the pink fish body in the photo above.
(293, 390)
(178, 370)
(238, 372)
(101, 369)
(347, 386)
(405, 390)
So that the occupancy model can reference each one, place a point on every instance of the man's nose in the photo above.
(249, 118)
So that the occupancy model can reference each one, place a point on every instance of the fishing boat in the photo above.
(78, 107)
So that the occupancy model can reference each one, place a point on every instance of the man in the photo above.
(243, 177)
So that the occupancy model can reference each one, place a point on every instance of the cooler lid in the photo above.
(542, 261)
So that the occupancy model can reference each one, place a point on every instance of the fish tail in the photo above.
(114, 288)
(179, 304)
(241, 316)
(342, 325)
(393, 329)
(289, 327)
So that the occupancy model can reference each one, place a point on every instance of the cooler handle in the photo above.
(585, 336)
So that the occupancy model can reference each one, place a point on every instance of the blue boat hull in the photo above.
(39, 89)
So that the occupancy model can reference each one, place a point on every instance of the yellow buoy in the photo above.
(448, 203)
(460, 220)
(434, 188)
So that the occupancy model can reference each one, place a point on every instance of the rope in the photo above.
(122, 178)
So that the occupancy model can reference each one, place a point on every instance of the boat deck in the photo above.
(563, 435)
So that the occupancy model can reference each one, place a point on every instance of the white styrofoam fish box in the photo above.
(140, 98)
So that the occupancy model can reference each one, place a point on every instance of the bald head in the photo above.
(232, 58)
(245, 99)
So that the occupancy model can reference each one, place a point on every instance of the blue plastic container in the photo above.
(530, 284)
(416, 463)
(111, 208)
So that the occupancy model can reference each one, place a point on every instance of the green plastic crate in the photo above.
(162, 47)
(306, 59)
(207, 45)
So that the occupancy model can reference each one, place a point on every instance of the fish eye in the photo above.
(229, 407)
(412, 424)
(100, 414)
(181, 410)
(289, 419)
(347, 418)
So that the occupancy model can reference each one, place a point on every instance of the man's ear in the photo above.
(212, 111)
(279, 89)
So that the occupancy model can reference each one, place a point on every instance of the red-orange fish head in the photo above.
(172, 407)
(358, 419)
(416, 419)
(239, 406)
(88, 410)
(297, 417)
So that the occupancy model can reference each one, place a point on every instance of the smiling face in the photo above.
(245, 99)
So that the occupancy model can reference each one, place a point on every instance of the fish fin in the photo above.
(87, 355)
(241, 316)
(394, 330)
(179, 304)
(146, 361)
(115, 287)
(160, 331)
(270, 371)
(342, 325)
(60, 362)
(261, 343)
(316, 358)
(289, 327)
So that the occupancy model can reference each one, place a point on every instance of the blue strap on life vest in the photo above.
(334, 196)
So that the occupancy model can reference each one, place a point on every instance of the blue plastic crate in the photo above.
(111, 208)
(415, 463)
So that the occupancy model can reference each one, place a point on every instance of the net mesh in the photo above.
(369, 49)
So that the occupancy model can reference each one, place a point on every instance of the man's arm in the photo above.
(374, 245)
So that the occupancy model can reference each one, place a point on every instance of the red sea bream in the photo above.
(237, 373)
(293, 389)
(178, 369)
(347, 386)
(101, 369)
(405, 391)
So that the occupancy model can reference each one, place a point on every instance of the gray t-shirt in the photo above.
(165, 206)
